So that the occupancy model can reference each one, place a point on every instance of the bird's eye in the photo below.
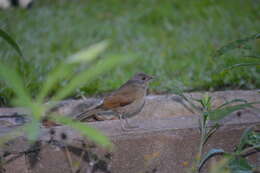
(143, 78)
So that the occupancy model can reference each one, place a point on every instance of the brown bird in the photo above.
(125, 102)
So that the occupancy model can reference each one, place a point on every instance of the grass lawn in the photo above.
(174, 40)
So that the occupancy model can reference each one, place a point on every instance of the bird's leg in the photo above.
(122, 124)
(123, 127)
(130, 126)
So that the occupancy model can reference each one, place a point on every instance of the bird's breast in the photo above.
(132, 109)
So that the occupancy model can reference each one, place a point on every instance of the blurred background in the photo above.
(173, 39)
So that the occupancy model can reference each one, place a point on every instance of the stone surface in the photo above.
(161, 150)
(157, 106)
(169, 151)
(17, 165)
(166, 142)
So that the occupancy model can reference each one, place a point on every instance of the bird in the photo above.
(126, 101)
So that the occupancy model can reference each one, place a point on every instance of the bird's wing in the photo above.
(122, 97)
(86, 114)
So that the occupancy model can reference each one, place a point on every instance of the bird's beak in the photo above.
(151, 78)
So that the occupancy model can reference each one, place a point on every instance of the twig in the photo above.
(68, 156)
(83, 152)
(245, 151)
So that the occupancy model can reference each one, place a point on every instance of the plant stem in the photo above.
(202, 137)
(202, 142)
(245, 151)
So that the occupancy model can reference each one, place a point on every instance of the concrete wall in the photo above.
(166, 142)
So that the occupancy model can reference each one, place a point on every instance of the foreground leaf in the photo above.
(89, 54)
(11, 41)
(88, 75)
(14, 81)
(66, 68)
(53, 78)
(84, 129)
(32, 129)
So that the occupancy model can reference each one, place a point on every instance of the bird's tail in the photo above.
(86, 114)
(91, 111)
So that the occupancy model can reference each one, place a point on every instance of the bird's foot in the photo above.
(129, 127)
(125, 129)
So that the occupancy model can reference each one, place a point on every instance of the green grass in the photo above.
(173, 39)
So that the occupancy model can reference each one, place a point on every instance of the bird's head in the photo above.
(142, 77)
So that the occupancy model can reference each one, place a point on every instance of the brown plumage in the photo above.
(126, 101)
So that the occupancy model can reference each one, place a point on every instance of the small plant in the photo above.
(209, 122)
(236, 161)
(67, 70)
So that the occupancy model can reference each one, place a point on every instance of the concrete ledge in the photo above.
(157, 106)
(170, 147)
(166, 142)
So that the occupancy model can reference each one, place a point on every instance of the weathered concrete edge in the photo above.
(113, 128)
(156, 105)
(168, 118)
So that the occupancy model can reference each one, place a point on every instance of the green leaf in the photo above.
(244, 138)
(219, 114)
(210, 154)
(53, 78)
(240, 165)
(84, 129)
(232, 101)
(235, 44)
(252, 56)
(32, 129)
(206, 101)
(14, 81)
(88, 75)
(11, 41)
(241, 65)
(89, 54)
(66, 69)
(253, 138)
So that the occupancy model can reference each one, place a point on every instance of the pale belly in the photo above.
(131, 109)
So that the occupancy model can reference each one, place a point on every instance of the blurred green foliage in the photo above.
(174, 41)
(66, 70)
(237, 162)
(210, 119)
